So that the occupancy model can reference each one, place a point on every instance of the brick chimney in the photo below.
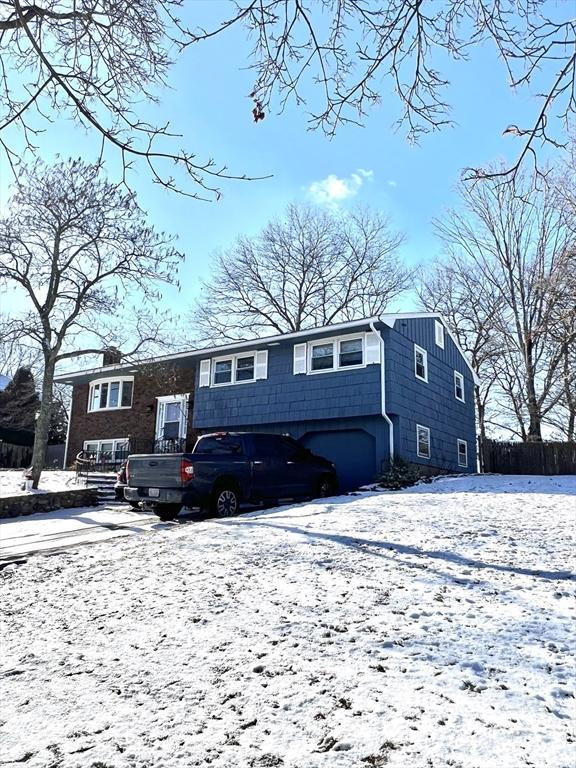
(111, 356)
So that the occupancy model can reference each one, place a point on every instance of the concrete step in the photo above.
(101, 477)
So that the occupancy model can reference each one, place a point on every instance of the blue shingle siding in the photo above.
(433, 403)
(310, 406)
(285, 397)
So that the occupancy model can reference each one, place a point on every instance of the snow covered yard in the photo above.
(421, 629)
(50, 480)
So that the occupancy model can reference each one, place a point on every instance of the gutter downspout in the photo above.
(383, 390)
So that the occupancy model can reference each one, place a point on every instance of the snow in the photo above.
(65, 528)
(51, 480)
(425, 628)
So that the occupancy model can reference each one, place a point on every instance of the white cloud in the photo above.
(392, 183)
(333, 190)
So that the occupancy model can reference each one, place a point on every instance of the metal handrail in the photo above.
(84, 462)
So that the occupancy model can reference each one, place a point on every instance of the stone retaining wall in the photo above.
(31, 503)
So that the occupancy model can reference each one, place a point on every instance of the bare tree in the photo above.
(517, 239)
(470, 305)
(96, 59)
(562, 342)
(310, 269)
(75, 246)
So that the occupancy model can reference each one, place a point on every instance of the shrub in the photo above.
(402, 474)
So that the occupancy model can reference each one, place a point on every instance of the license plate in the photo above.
(155, 492)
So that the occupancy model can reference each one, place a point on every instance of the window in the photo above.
(223, 372)
(106, 395)
(113, 451)
(420, 363)
(218, 444)
(422, 442)
(235, 369)
(171, 426)
(245, 368)
(350, 353)
(458, 386)
(322, 357)
(337, 354)
(439, 333)
(276, 446)
(462, 453)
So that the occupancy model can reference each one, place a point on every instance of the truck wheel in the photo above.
(168, 511)
(134, 504)
(325, 488)
(225, 502)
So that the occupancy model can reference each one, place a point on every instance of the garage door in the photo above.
(353, 451)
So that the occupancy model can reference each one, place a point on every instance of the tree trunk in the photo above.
(481, 410)
(535, 417)
(43, 423)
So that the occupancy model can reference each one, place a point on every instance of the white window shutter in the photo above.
(204, 373)
(261, 364)
(372, 348)
(299, 358)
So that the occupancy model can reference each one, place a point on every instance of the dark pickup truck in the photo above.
(225, 469)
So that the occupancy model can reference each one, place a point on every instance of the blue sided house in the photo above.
(359, 393)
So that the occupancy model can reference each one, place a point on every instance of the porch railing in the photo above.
(110, 461)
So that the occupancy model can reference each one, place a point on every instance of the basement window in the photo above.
(423, 441)
(462, 453)
(113, 450)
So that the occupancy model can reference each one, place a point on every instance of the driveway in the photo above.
(21, 537)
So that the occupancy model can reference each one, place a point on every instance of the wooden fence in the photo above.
(14, 456)
(528, 458)
(15, 448)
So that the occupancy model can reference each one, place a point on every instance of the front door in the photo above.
(171, 424)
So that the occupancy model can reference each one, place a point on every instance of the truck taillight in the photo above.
(186, 470)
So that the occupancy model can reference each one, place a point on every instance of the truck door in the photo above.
(279, 468)
(269, 479)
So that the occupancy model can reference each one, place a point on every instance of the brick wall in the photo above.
(139, 421)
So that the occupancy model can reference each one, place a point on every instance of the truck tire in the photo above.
(325, 487)
(225, 501)
(167, 512)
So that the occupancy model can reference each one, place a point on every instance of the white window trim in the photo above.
(458, 377)
(114, 440)
(465, 444)
(335, 341)
(422, 455)
(109, 381)
(234, 359)
(425, 356)
(439, 334)
(183, 428)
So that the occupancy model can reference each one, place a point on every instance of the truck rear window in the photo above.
(217, 444)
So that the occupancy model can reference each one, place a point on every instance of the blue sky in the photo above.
(208, 101)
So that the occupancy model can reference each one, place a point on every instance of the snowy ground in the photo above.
(50, 480)
(420, 629)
